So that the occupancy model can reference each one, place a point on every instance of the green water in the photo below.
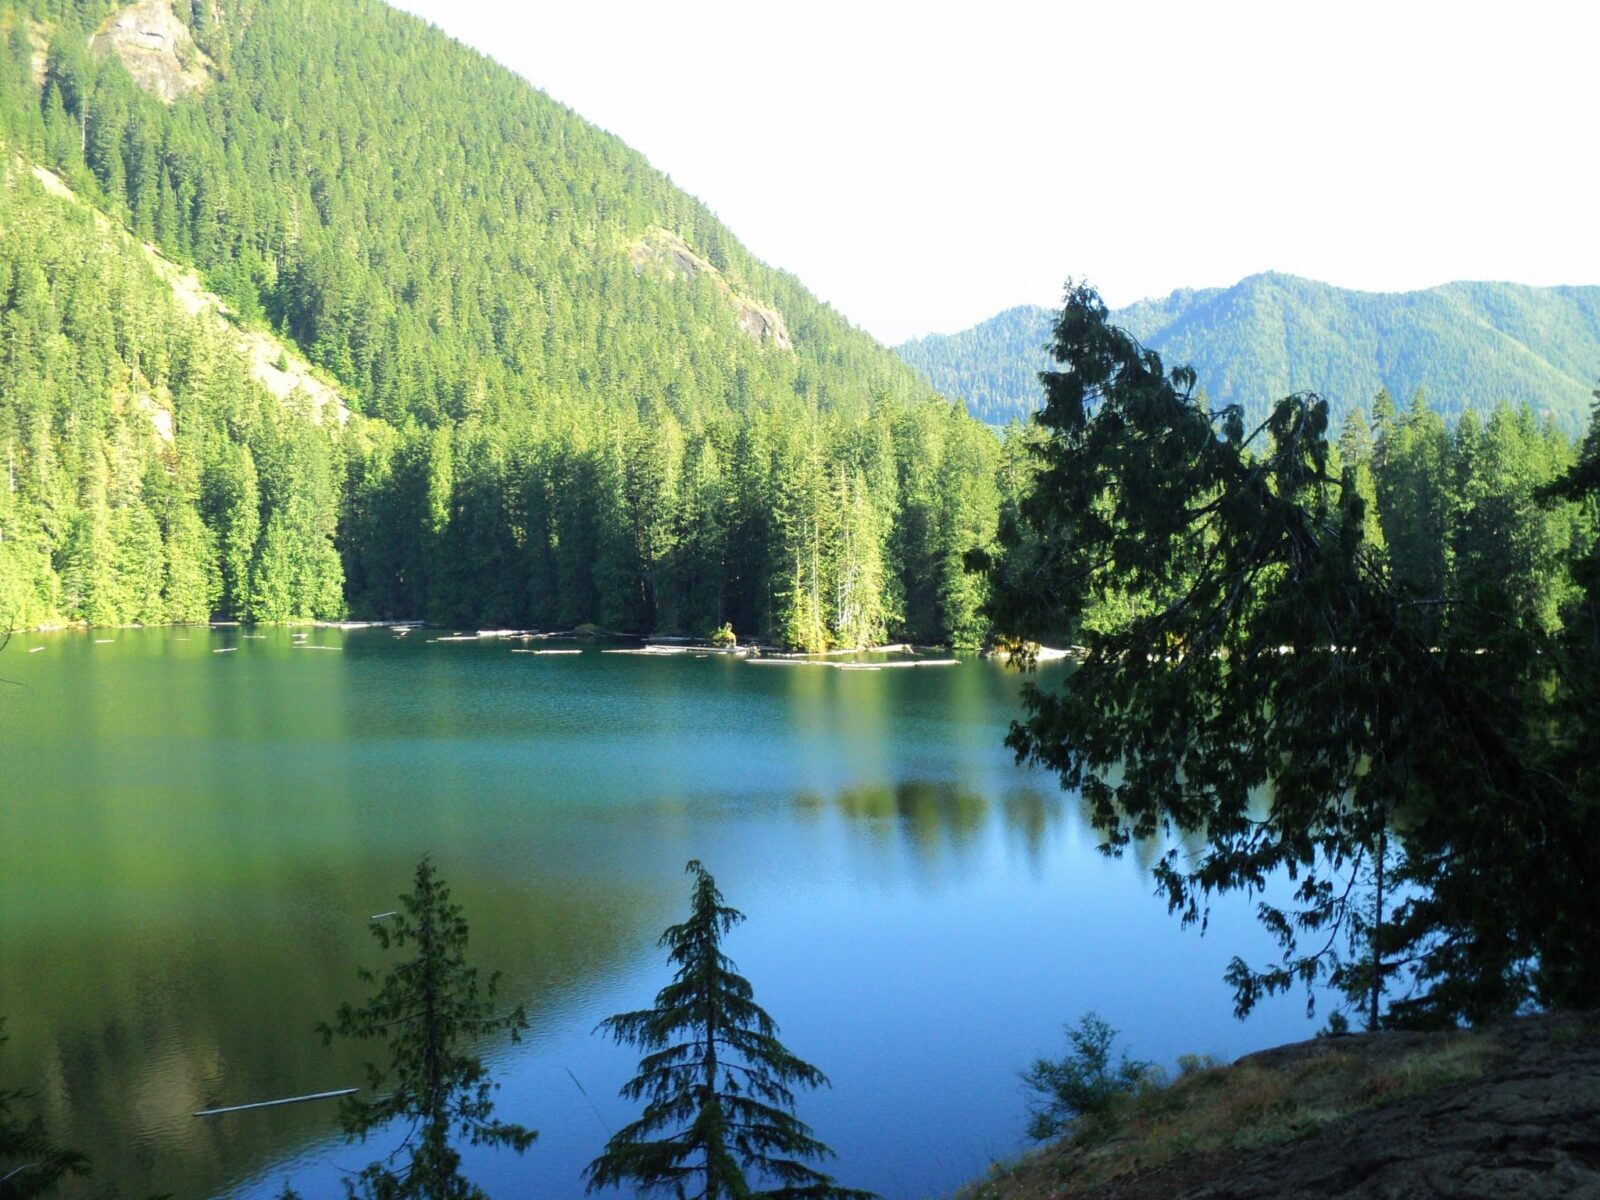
(191, 844)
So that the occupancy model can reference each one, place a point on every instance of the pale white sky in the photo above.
(922, 166)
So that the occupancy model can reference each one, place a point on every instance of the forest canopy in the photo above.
(573, 396)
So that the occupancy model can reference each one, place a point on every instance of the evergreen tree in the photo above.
(1413, 488)
(427, 1011)
(1271, 649)
(30, 1163)
(715, 1081)
(1355, 464)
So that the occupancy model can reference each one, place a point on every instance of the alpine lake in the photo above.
(197, 826)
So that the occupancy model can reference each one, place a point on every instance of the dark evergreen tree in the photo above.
(427, 1012)
(718, 1119)
(30, 1163)
(1276, 691)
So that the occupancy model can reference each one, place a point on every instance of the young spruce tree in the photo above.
(427, 1010)
(719, 1115)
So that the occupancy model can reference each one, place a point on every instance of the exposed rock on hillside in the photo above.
(277, 366)
(669, 255)
(39, 43)
(157, 49)
(1508, 1110)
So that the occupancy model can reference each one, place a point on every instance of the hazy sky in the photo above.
(922, 166)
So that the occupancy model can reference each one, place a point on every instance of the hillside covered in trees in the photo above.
(572, 395)
(1466, 346)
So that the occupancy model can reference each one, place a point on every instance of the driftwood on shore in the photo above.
(409, 624)
(1041, 653)
(659, 651)
(853, 666)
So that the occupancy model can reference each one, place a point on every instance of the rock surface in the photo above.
(666, 253)
(156, 47)
(276, 364)
(1528, 1127)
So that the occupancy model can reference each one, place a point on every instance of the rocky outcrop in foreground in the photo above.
(1508, 1110)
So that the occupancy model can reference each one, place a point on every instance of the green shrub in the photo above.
(1083, 1085)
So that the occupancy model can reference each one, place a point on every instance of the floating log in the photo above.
(217, 1112)
(225, 650)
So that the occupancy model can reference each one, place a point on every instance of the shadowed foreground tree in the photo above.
(715, 1081)
(30, 1163)
(1256, 676)
(427, 1012)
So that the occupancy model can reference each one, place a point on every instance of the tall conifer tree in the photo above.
(427, 1011)
(719, 1115)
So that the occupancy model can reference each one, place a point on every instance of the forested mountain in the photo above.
(1465, 345)
(573, 396)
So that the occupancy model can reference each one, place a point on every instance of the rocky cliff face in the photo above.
(156, 47)
(668, 254)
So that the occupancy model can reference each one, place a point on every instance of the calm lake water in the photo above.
(191, 845)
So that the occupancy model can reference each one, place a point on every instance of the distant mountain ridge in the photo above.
(1466, 345)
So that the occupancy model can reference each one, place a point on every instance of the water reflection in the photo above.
(183, 998)
(941, 822)
(191, 844)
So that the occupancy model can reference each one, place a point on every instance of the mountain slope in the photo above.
(574, 395)
(144, 437)
(429, 226)
(1466, 345)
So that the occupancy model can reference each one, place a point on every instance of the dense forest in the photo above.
(1466, 346)
(1445, 507)
(566, 393)
(572, 395)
